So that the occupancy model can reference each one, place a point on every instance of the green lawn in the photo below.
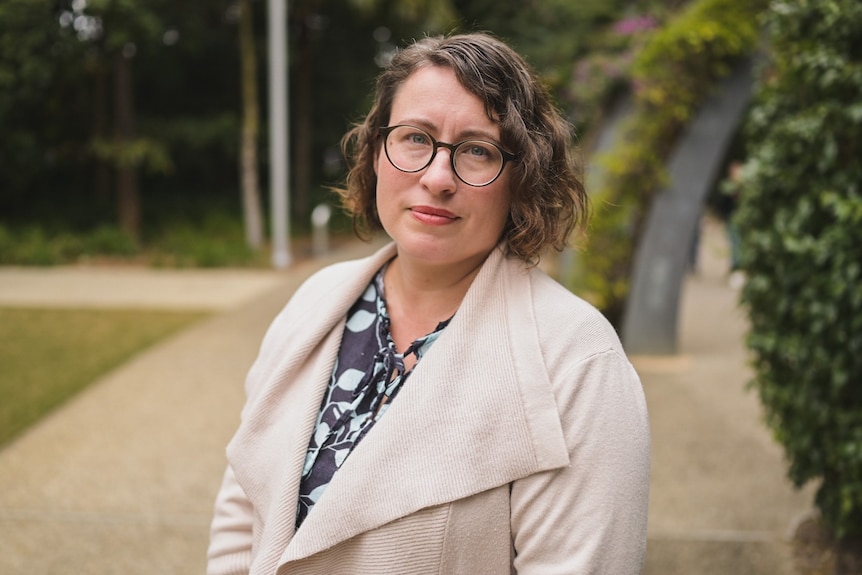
(48, 355)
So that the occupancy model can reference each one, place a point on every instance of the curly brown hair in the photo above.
(548, 197)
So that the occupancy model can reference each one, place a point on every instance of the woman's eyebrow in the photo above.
(478, 134)
(468, 134)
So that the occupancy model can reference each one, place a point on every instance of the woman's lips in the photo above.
(433, 216)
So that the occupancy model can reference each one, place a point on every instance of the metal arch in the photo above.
(651, 314)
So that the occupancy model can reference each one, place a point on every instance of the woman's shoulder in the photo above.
(316, 305)
(340, 276)
(569, 323)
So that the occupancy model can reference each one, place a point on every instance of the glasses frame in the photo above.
(384, 131)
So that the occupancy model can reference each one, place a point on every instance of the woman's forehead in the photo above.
(434, 96)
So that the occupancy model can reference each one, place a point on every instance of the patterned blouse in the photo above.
(367, 375)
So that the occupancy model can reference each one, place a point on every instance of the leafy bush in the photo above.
(671, 76)
(25, 247)
(800, 216)
(215, 242)
(34, 246)
(110, 241)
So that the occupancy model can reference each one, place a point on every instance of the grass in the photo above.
(47, 356)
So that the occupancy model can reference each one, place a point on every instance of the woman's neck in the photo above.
(419, 297)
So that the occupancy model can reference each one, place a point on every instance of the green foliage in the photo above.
(58, 61)
(528, 26)
(671, 75)
(217, 241)
(50, 355)
(35, 80)
(434, 15)
(186, 100)
(144, 152)
(57, 154)
(801, 221)
(34, 246)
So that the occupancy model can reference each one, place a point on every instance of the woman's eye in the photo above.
(477, 151)
(417, 138)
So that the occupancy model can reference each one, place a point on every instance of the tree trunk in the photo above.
(251, 205)
(304, 140)
(101, 131)
(128, 198)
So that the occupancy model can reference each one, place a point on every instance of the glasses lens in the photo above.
(477, 162)
(408, 148)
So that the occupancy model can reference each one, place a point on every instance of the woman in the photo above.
(443, 406)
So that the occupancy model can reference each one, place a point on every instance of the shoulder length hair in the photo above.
(548, 197)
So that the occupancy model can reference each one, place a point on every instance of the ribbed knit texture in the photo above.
(416, 541)
(527, 386)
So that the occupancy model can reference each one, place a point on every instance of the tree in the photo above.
(308, 26)
(113, 29)
(252, 212)
(800, 216)
(38, 65)
(119, 47)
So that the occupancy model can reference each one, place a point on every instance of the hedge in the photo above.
(800, 217)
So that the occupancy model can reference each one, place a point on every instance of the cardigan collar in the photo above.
(478, 412)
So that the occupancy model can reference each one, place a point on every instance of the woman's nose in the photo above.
(439, 176)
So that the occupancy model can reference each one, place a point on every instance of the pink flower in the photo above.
(631, 26)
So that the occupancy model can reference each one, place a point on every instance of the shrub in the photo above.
(110, 241)
(28, 246)
(800, 216)
(215, 242)
(34, 246)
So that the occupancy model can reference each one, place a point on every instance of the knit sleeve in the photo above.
(590, 517)
(231, 537)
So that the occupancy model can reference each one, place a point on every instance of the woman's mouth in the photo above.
(433, 216)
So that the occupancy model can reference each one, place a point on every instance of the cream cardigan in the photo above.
(520, 443)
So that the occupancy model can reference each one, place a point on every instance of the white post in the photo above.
(320, 229)
(279, 145)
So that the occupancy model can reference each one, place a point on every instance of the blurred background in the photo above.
(123, 122)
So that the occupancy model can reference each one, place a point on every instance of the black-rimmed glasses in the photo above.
(476, 162)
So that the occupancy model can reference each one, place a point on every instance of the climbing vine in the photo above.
(670, 76)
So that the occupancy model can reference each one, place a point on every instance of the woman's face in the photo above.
(434, 217)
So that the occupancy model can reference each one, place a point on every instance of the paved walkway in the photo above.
(122, 478)
(133, 287)
(720, 503)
